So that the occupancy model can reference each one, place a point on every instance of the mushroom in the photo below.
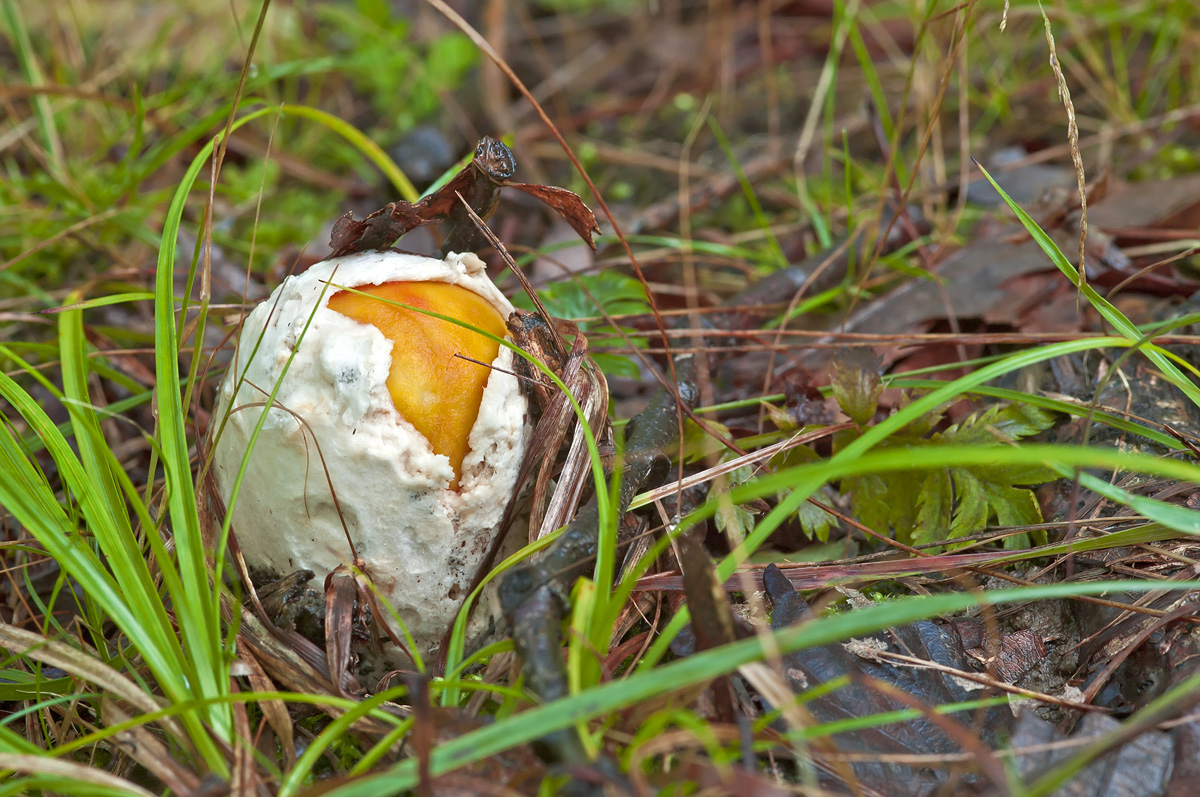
(420, 445)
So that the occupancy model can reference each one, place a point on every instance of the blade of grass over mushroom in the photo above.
(593, 448)
(698, 668)
(166, 335)
(350, 133)
(1106, 309)
(605, 500)
(269, 402)
(804, 481)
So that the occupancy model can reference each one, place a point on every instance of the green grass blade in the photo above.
(365, 145)
(804, 484)
(25, 493)
(646, 685)
(1054, 405)
(15, 23)
(1105, 308)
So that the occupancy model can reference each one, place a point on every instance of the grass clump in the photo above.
(161, 163)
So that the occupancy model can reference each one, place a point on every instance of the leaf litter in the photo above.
(781, 382)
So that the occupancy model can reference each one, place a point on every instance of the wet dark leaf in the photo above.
(862, 697)
(1140, 766)
(476, 186)
(568, 205)
(377, 231)
(1020, 652)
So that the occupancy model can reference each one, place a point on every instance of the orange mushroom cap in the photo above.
(435, 390)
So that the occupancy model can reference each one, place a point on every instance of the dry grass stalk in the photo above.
(1072, 142)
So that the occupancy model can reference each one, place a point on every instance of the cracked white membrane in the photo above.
(422, 540)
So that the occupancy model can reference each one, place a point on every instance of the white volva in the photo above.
(422, 541)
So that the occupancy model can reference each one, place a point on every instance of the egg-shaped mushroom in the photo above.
(414, 422)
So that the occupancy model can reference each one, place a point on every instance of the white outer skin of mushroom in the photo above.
(422, 542)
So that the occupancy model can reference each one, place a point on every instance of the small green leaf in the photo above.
(869, 501)
(698, 444)
(779, 416)
(925, 423)
(815, 521)
(997, 424)
(1017, 421)
(929, 507)
(733, 520)
(975, 428)
(1015, 507)
(856, 384)
(934, 504)
(971, 510)
(1010, 475)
